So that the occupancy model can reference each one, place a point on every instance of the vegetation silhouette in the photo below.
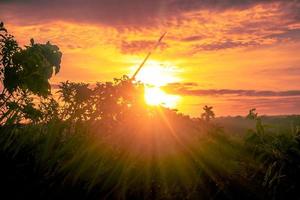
(103, 142)
(208, 113)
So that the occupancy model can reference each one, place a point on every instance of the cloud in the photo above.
(138, 46)
(188, 89)
(182, 84)
(193, 38)
(227, 44)
(287, 34)
(196, 25)
(287, 71)
(112, 12)
(118, 12)
(216, 4)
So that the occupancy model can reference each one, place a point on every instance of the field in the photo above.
(104, 142)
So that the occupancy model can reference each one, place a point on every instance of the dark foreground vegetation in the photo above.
(103, 142)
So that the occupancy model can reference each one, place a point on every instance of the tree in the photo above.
(106, 102)
(24, 73)
(253, 115)
(208, 113)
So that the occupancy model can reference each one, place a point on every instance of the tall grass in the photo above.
(103, 166)
(56, 160)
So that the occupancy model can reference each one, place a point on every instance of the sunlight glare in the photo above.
(156, 74)
(155, 96)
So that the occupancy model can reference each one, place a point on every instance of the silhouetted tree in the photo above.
(208, 113)
(24, 73)
(253, 115)
(107, 101)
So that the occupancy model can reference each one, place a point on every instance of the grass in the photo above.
(57, 160)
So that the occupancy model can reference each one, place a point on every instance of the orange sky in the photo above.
(233, 55)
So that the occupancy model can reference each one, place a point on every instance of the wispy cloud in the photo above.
(287, 71)
(227, 44)
(138, 46)
(205, 25)
(189, 90)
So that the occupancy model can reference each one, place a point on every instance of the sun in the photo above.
(155, 75)
(155, 96)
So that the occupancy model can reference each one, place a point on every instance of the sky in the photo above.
(229, 54)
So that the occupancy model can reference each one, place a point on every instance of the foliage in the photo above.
(253, 115)
(208, 113)
(105, 101)
(31, 68)
(25, 74)
(279, 155)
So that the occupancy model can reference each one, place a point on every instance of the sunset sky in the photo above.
(233, 55)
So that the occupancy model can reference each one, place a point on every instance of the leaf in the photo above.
(31, 41)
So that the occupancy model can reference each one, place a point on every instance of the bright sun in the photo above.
(154, 76)
(156, 96)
